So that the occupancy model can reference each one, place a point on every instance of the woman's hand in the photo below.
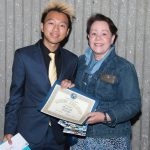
(95, 117)
(67, 84)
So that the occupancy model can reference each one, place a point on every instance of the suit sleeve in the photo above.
(75, 70)
(16, 95)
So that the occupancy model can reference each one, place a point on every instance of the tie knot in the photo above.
(52, 55)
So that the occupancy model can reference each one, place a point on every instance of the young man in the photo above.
(30, 81)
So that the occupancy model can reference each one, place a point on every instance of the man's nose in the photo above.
(56, 28)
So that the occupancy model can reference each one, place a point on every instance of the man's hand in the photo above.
(8, 137)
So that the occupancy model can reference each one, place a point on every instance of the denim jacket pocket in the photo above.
(112, 79)
(106, 87)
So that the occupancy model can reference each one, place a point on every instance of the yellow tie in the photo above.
(52, 69)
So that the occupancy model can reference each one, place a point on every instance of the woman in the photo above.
(112, 81)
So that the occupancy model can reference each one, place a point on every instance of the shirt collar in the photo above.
(47, 51)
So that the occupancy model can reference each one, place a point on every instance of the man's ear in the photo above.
(68, 31)
(41, 27)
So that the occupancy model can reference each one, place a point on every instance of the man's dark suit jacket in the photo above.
(30, 85)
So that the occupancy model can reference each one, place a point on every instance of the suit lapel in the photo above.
(40, 64)
(62, 65)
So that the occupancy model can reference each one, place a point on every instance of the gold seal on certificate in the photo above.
(67, 104)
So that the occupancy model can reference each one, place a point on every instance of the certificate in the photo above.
(68, 104)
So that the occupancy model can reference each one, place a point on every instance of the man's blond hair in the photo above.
(62, 7)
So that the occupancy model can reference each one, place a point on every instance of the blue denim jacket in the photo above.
(115, 87)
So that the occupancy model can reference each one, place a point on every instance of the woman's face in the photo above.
(100, 38)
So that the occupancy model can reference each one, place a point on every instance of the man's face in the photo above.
(55, 28)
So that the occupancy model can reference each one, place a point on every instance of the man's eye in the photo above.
(50, 23)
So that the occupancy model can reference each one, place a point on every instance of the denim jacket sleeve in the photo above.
(128, 95)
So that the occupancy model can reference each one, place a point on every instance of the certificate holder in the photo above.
(68, 104)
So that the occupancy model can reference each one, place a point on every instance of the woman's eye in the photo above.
(63, 25)
(93, 34)
(104, 34)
